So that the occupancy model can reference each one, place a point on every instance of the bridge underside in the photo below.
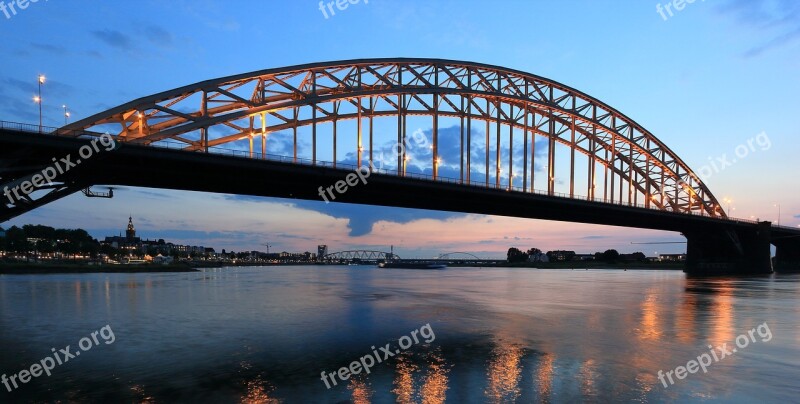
(714, 245)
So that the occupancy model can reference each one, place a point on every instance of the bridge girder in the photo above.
(362, 255)
(206, 115)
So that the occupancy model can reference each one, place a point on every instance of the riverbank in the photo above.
(23, 268)
(20, 268)
(596, 265)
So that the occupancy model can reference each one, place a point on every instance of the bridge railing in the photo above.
(47, 130)
(26, 127)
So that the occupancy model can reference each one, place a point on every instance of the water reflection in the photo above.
(434, 383)
(257, 390)
(544, 376)
(404, 379)
(421, 377)
(722, 314)
(140, 396)
(588, 375)
(685, 322)
(504, 373)
(263, 335)
(360, 390)
(650, 325)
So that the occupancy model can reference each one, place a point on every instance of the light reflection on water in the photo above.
(263, 335)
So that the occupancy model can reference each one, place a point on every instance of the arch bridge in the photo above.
(460, 136)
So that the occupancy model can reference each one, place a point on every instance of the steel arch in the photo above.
(251, 106)
(447, 255)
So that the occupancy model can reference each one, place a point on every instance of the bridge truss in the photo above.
(516, 131)
(360, 255)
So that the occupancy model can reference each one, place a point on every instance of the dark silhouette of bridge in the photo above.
(359, 256)
(543, 145)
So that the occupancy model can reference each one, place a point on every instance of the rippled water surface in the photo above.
(496, 335)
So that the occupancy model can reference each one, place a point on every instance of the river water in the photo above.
(479, 335)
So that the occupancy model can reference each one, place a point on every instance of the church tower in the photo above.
(131, 232)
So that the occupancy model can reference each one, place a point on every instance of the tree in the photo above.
(639, 256)
(534, 254)
(515, 255)
(610, 256)
(17, 241)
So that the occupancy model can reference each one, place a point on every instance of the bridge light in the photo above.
(41, 79)
(36, 99)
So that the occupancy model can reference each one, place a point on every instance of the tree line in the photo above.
(46, 240)
(516, 255)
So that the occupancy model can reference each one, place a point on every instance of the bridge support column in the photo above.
(787, 253)
(725, 251)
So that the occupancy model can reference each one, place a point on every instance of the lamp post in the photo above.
(728, 202)
(38, 99)
(778, 205)
(66, 114)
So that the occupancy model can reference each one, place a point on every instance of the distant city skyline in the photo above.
(705, 81)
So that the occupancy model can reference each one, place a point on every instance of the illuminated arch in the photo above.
(204, 116)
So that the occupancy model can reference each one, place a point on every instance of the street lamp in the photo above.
(728, 202)
(38, 99)
(778, 205)
(66, 114)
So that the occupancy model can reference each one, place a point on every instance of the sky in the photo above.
(705, 80)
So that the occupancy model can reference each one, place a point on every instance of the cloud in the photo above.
(362, 218)
(115, 39)
(773, 43)
(47, 48)
(158, 35)
(779, 20)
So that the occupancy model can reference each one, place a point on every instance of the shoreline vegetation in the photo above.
(32, 268)
(666, 265)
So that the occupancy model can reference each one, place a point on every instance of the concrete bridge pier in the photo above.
(787, 253)
(729, 251)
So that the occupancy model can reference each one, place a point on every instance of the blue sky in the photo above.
(705, 81)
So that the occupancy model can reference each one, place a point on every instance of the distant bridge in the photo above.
(520, 145)
(453, 254)
(359, 256)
